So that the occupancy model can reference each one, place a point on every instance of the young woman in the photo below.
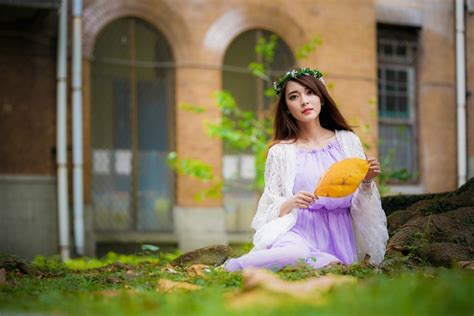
(291, 223)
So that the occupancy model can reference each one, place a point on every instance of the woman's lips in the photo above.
(306, 111)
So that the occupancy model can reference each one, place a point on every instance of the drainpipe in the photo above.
(461, 94)
(61, 134)
(77, 126)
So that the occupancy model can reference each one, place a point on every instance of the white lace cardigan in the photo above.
(368, 218)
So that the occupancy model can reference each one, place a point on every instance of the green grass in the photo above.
(73, 289)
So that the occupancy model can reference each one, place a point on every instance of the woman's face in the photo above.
(303, 104)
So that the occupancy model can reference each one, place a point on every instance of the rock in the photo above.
(12, 262)
(130, 274)
(445, 253)
(399, 218)
(462, 197)
(454, 226)
(440, 239)
(211, 256)
(394, 203)
(3, 277)
(434, 203)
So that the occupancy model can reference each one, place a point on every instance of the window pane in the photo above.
(391, 105)
(401, 50)
(390, 75)
(397, 146)
(396, 96)
(403, 107)
(402, 76)
(114, 93)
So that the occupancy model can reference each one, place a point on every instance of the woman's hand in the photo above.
(302, 199)
(374, 169)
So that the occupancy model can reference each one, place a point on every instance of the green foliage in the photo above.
(213, 191)
(199, 170)
(304, 51)
(52, 264)
(86, 263)
(191, 167)
(242, 130)
(265, 48)
(130, 289)
(258, 70)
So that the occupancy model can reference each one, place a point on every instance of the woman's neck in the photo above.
(313, 133)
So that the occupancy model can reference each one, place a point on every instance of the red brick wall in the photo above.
(28, 94)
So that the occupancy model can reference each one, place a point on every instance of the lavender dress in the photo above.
(323, 232)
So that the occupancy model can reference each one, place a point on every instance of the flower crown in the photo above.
(293, 74)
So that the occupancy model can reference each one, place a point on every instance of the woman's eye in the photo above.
(292, 97)
(309, 92)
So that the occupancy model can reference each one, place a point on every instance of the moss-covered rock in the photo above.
(437, 231)
(445, 253)
(394, 203)
(211, 255)
(12, 263)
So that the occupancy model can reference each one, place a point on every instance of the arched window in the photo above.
(249, 92)
(132, 111)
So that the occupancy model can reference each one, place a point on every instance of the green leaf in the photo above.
(151, 248)
(269, 92)
(258, 70)
(191, 107)
(190, 167)
(304, 51)
(266, 48)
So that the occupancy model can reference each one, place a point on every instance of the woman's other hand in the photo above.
(374, 169)
(302, 199)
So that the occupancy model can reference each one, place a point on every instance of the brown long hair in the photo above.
(285, 125)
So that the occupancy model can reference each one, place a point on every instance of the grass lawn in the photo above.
(127, 285)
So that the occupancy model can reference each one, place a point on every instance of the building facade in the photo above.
(390, 65)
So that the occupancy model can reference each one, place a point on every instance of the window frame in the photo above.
(408, 36)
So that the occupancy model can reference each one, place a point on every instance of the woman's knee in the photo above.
(232, 265)
(297, 252)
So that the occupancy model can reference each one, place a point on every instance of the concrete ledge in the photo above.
(197, 227)
(22, 179)
(135, 237)
(406, 189)
(240, 237)
(405, 12)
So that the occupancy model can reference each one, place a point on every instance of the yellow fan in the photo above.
(342, 178)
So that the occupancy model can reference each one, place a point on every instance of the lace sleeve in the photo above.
(368, 217)
(272, 198)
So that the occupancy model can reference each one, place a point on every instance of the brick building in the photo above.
(391, 66)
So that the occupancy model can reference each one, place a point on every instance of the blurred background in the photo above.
(92, 95)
